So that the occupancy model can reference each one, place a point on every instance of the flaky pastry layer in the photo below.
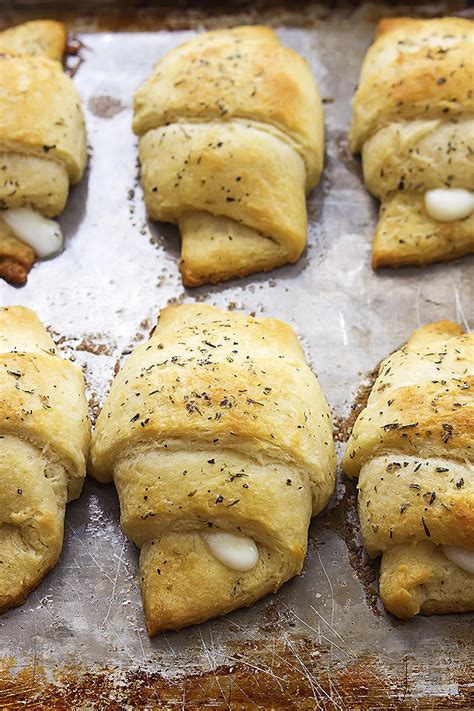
(215, 424)
(231, 138)
(412, 451)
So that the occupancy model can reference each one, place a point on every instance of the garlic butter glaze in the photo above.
(42, 235)
(411, 448)
(235, 551)
(461, 557)
(448, 205)
(215, 424)
(413, 124)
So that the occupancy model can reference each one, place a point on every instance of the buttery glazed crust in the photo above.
(44, 434)
(419, 578)
(44, 38)
(412, 450)
(412, 122)
(231, 129)
(406, 234)
(39, 38)
(42, 131)
(215, 422)
(50, 98)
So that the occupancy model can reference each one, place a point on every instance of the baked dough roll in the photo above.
(44, 438)
(413, 123)
(218, 438)
(42, 143)
(231, 139)
(38, 38)
(412, 449)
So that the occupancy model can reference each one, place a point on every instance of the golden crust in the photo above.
(31, 518)
(227, 491)
(415, 156)
(412, 121)
(231, 128)
(404, 498)
(406, 234)
(44, 432)
(432, 333)
(42, 132)
(419, 578)
(215, 249)
(165, 605)
(45, 38)
(16, 257)
(421, 402)
(41, 395)
(412, 449)
(215, 422)
(21, 331)
(29, 181)
(58, 130)
(422, 68)
(242, 73)
(241, 405)
(188, 168)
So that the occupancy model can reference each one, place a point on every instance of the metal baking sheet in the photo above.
(324, 640)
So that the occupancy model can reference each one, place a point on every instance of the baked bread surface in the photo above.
(412, 449)
(39, 38)
(215, 424)
(231, 138)
(413, 124)
(42, 131)
(44, 436)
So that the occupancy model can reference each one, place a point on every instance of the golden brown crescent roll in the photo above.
(43, 38)
(231, 138)
(42, 142)
(413, 122)
(218, 438)
(44, 438)
(412, 448)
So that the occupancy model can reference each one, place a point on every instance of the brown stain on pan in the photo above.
(343, 425)
(105, 106)
(96, 344)
(260, 676)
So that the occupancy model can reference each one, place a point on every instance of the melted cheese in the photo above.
(235, 551)
(461, 557)
(42, 235)
(449, 205)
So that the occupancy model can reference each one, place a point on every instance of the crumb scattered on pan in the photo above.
(74, 56)
(91, 345)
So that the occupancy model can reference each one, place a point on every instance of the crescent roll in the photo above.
(44, 438)
(412, 450)
(231, 139)
(218, 438)
(42, 144)
(413, 123)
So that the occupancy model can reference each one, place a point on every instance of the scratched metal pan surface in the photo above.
(324, 640)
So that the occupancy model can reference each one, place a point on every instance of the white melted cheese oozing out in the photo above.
(42, 235)
(234, 551)
(461, 557)
(448, 205)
